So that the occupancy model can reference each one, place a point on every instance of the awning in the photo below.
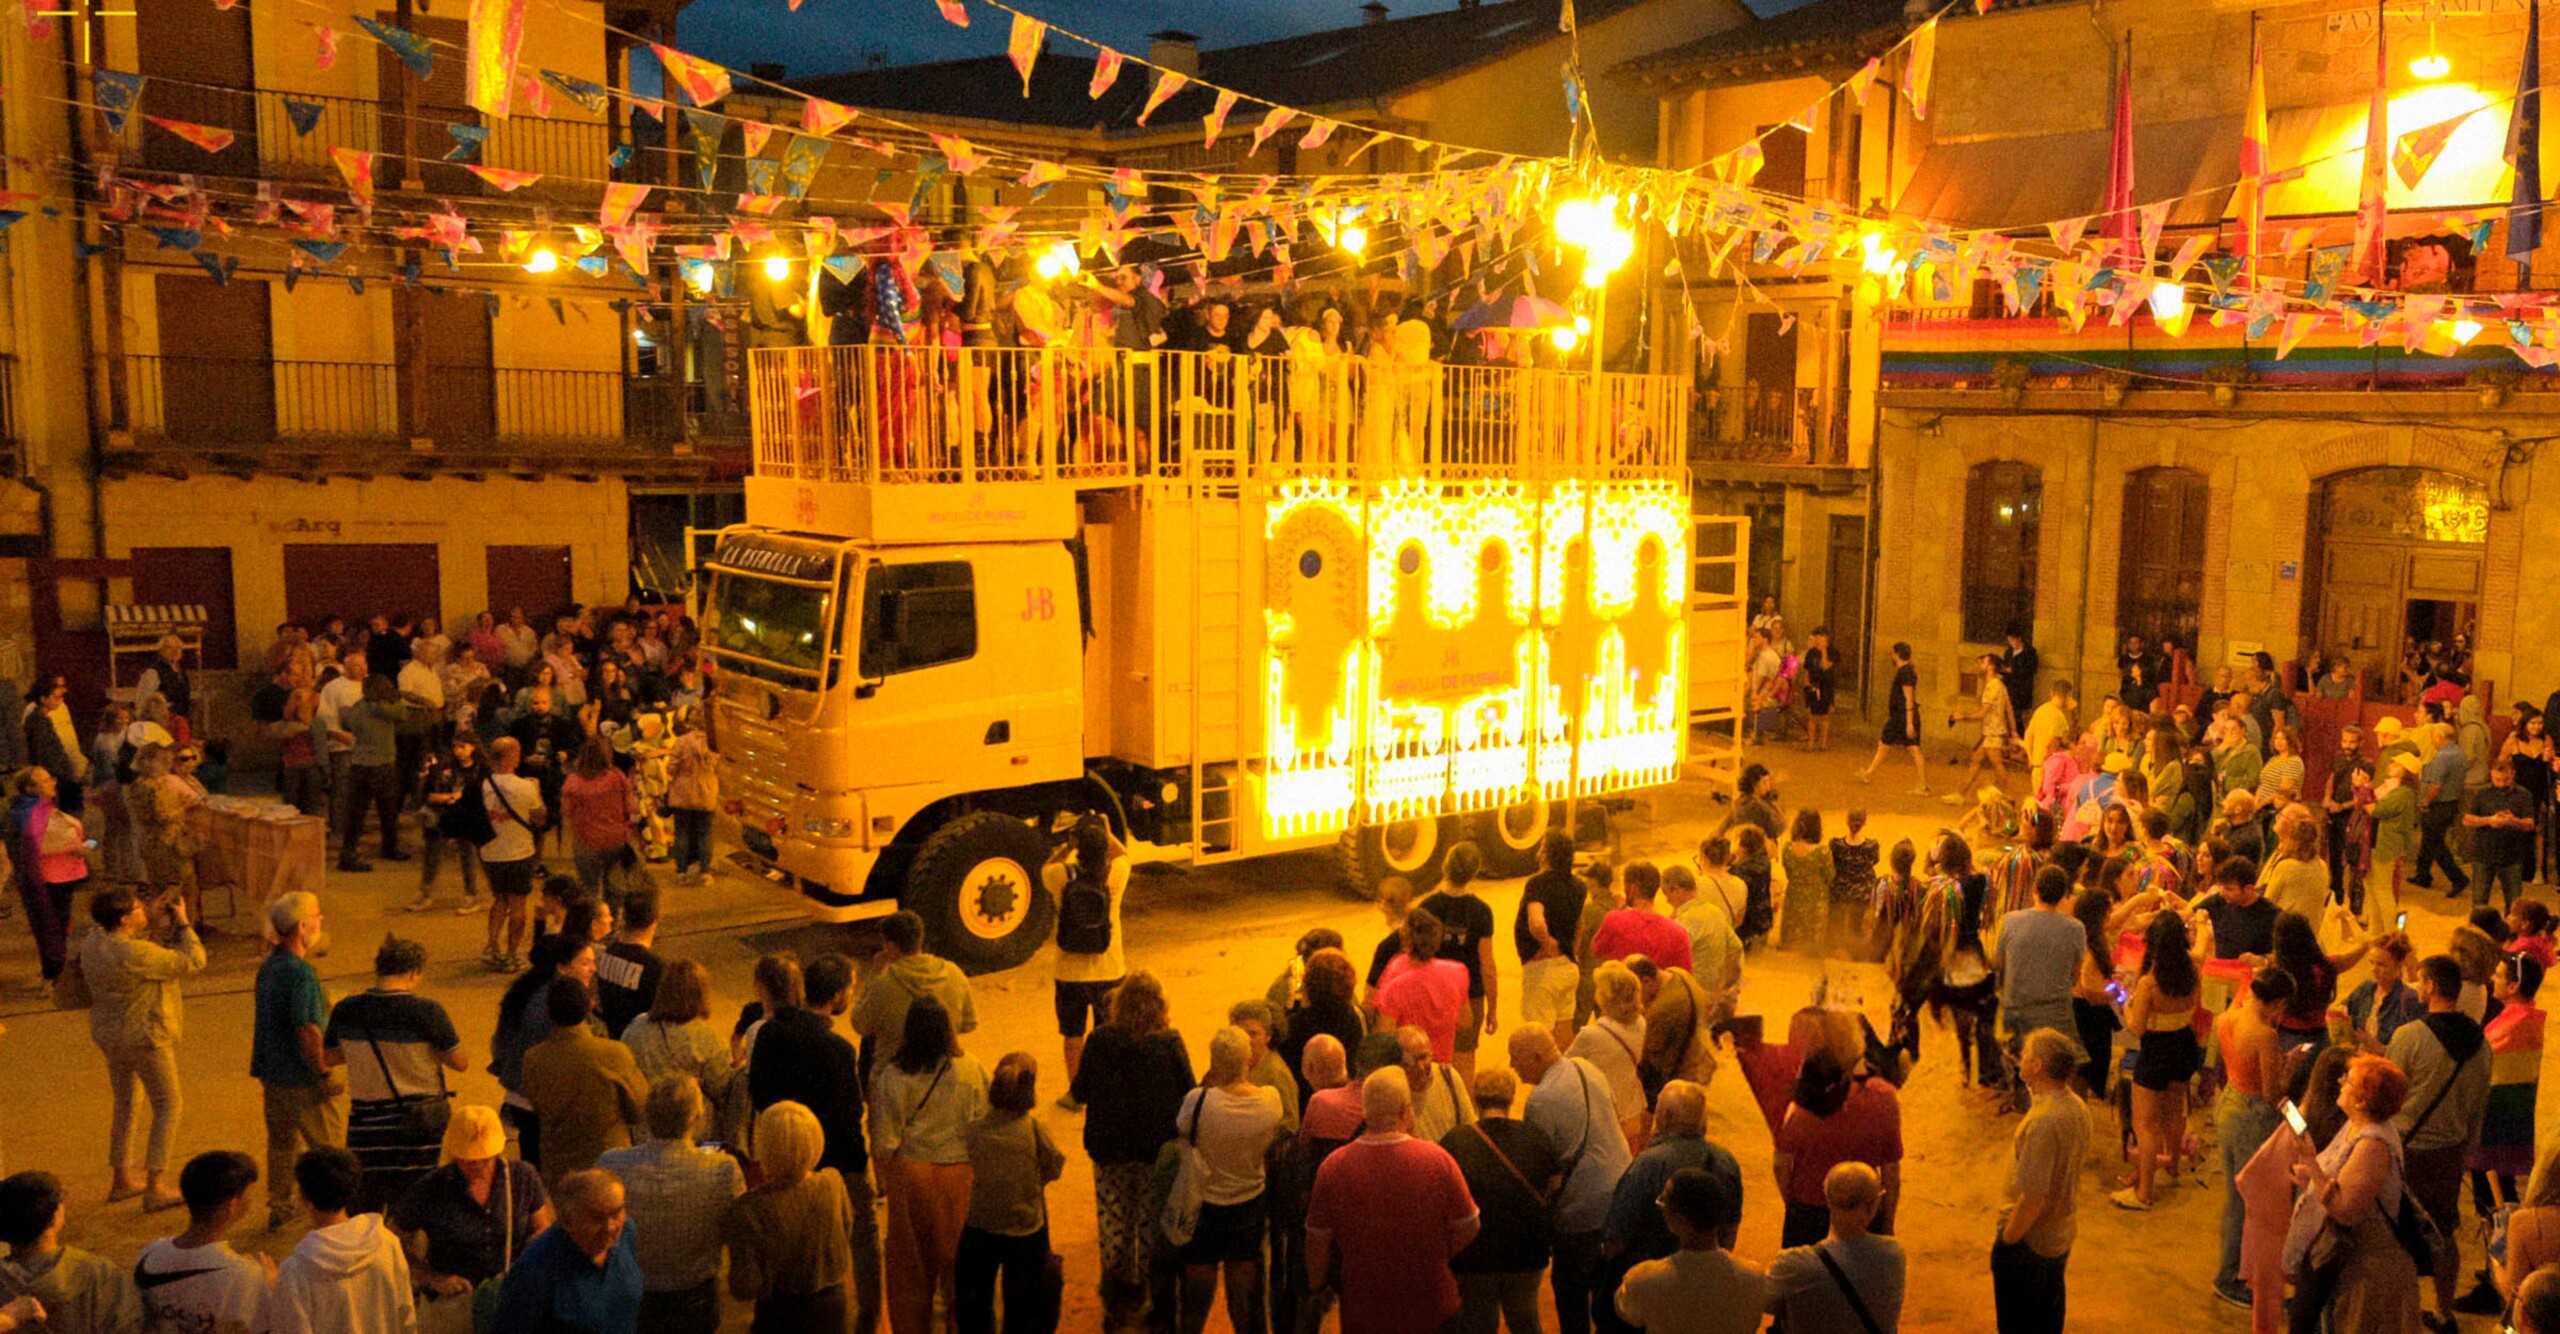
(2328, 144)
(2032, 179)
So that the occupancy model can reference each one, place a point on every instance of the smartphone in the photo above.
(2400, 923)
(2117, 993)
(2293, 1118)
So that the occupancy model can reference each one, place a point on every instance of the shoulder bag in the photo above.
(1509, 1166)
(423, 1116)
(1180, 1215)
(484, 1297)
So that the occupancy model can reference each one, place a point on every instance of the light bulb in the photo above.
(1564, 337)
(699, 274)
(1582, 324)
(1879, 258)
(2430, 66)
(541, 261)
(2168, 300)
(1354, 239)
(776, 268)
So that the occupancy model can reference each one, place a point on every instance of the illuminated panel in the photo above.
(1633, 725)
(1315, 665)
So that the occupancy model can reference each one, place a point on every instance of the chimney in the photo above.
(1175, 50)
(1373, 13)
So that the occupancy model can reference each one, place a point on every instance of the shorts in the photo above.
(1078, 1001)
(1228, 1232)
(1471, 1024)
(511, 880)
(1546, 990)
(2167, 1058)
(2434, 1178)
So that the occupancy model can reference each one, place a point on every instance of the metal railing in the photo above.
(1812, 429)
(576, 150)
(247, 400)
(894, 414)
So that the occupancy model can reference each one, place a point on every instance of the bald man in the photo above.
(582, 1274)
(1387, 1213)
(1851, 1272)
(1569, 1103)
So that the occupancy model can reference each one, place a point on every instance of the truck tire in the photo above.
(1509, 836)
(976, 884)
(1409, 848)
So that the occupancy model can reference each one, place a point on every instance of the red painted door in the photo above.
(358, 579)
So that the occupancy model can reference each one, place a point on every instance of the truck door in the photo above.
(920, 692)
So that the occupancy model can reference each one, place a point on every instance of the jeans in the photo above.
(2506, 875)
(2026, 1289)
(693, 840)
(1483, 1299)
(2243, 1121)
(1575, 1277)
(694, 1310)
(155, 1069)
(2435, 847)
(431, 863)
(1021, 1263)
(49, 917)
(297, 1119)
(2339, 856)
(300, 786)
(375, 786)
(601, 871)
(341, 787)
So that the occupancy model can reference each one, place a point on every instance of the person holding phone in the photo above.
(2369, 1283)
(2254, 1063)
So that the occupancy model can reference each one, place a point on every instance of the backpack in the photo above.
(267, 705)
(1084, 914)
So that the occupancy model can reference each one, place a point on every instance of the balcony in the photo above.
(266, 143)
(250, 413)
(1812, 431)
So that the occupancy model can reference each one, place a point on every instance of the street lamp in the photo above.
(1591, 226)
(776, 268)
(542, 261)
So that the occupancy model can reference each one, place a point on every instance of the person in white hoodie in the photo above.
(349, 1275)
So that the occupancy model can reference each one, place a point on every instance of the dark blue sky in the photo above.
(825, 36)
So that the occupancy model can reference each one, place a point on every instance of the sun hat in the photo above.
(473, 1134)
(2387, 726)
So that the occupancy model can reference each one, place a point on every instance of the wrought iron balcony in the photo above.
(569, 154)
(220, 401)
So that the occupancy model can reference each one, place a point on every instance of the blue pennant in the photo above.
(409, 274)
(355, 283)
(414, 51)
(467, 140)
(9, 217)
(85, 250)
(303, 116)
(585, 92)
(176, 238)
(620, 157)
(117, 92)
(220, 266)
(326, 252)
(292, 276)
(559, 312)
(592, 265)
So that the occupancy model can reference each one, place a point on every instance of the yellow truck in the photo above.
(1234, 605)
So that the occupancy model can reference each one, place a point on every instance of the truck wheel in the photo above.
(1509, 836)
(1408, 848)
(976, 884)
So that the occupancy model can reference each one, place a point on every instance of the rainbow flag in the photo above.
(2515, 1075)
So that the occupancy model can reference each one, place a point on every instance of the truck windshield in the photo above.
(768, 628)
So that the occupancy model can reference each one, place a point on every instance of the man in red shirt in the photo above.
(1638, 928)
(1387, 1212)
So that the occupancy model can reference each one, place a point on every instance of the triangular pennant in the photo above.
(1272, 120)
(801, 158)
(1216, 121)
(704, 81)
(327, 37)
(754, 134)
(176, 238)
(1043, 173)
(1315, 136)
(220, 266)
(495, 35)
(1106, 72)
(1167, 84)
(621, 200)
(820, 116)
(117, 93)
(2067, 233)
(414, 51)
(1022, 46)
(303, 116)
(326, 252)
(505, 180)
(210, 138)
(957, 154)
(467, 140)
(2151, 218)
(952, 12)
(355, 167)
(703, 130)
(2328, 263)
(585, 92)
(1918, 66)
(760, 174)
(2295, 328)
(2412, 154)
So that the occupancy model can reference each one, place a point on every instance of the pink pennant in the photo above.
(1216, 121)
(1316, 136)
(634, 243)
(755, 133)
(820, 116)
(328, 38)
(210, 138)
(1106, 72)
(895, 210)
(505, 180)
(1272, 120)
(1043, 173)
(956, 150)
(1167, 84)
(355, 166)
(750, 234)
(621, 200)
(952, 11)
(534, 93)
(703, 81)
(760, 205)
(2066, 233)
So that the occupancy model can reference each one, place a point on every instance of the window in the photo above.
(2003, 519)
(916, 616)
(1781, 161)
(769, 628)
(2160, 568)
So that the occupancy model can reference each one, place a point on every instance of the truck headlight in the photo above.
(828, 827)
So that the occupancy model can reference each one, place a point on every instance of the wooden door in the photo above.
(216, 369)
(2160, 573)
(442, 100)
(2363, 605)
(449, 331)
(358, 579)
(201, 69)
(534, 578)
(1844, 595)
(193, 576)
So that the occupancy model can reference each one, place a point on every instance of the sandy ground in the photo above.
(1215, 936)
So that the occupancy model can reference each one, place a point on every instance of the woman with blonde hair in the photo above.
(162, 809)
(1614, 1044)
(789, 1252)
(1232, 1121)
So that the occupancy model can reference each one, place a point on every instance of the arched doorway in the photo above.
(2398, 557)
(2160, 571)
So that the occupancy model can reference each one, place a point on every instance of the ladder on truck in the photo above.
(1222, 667)
(1719, 610)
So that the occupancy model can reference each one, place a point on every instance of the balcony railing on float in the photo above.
(875, 413)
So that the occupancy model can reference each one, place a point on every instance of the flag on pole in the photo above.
(2524, 147)
(2253, 159)
(2121, 229)
(2372, 195)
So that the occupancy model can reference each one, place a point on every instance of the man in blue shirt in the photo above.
(1636, 1230)
(286, 1057)
(581, 1276)
(1569, 1103)
(2439, 810)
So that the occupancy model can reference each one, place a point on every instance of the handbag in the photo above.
(1180, 1216)
(423, 1116)
(484, 1296)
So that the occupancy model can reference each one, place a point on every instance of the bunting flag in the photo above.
(619, 158)
(703, 81)
(1043, 173)
(2219, 270)
(2373, 191)
(2524, 150)
(1022, 46)
(2153, 218)
(355, 167)
(534, 94)
(1272, 120)
(326, 252)
(2188, 251)
(1216, 121)
(2066, 233)
(506, 181)
(414, 51)
(1918, 66)
(1316, 136)
(1374, 140)
(328, 39)
(621, 200)
(763, 206)
(585, 92)
(2412, 154)
(1167, 84)
(801, 158)
(952, 11)
(176, 238)
(1106, 72)
(754, 133)
(820, 116)
(303, 116)
(703, 129)
(2294, 329)
(634, 243)
(760, 174)
(2121, 224)
(210, 138)
(2253, 161)
(2327, 263)
(956, 152)
(495, 35)
(116, 93)
(221, 267)
(1743, 164)
(467, 141)
(1865, 78)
